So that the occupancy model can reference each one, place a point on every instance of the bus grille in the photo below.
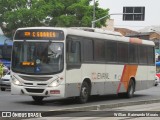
(34, 90)
(30, 78)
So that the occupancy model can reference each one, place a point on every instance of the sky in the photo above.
(152, 15)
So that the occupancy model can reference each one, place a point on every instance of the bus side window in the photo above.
(111, 51)
(74, 52)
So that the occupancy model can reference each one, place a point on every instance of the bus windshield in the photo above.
(37, 57)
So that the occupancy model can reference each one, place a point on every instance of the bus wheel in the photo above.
(3, 89)
(84, 93)
(131, 89)
(37, 98)
(156, 84)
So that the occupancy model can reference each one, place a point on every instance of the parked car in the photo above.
(5, 81)
(157, 79)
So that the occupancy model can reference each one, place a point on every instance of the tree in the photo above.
(59, 13)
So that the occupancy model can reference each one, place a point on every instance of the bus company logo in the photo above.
(6, 114)
(100, 76)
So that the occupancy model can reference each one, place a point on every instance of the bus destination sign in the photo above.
(39, 34)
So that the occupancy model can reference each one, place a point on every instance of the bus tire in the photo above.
(131, 89)
(3, 89)
(38, 98)
(156, 84)
(84, 93)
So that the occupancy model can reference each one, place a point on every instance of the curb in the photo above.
(97, 107)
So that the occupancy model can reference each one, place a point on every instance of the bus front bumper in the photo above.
(38, 91)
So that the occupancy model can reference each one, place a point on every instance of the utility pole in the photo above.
(94, 14)
(94, 21)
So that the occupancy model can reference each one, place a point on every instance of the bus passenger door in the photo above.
(73, 71)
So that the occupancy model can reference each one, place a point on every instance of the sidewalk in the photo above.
(149, 109)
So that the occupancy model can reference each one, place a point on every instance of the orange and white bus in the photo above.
(72, 62)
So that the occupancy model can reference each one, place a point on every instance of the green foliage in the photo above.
(59, 13)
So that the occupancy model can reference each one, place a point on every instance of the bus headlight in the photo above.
(55, 83)
(15, 81)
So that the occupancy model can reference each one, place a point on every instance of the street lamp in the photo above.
(94, 21)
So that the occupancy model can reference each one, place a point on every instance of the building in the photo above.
(149, 33)
(125, 31)
(5, 40)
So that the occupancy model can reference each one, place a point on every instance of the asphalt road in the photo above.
(10, 102)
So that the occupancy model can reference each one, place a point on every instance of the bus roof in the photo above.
(95, 33)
